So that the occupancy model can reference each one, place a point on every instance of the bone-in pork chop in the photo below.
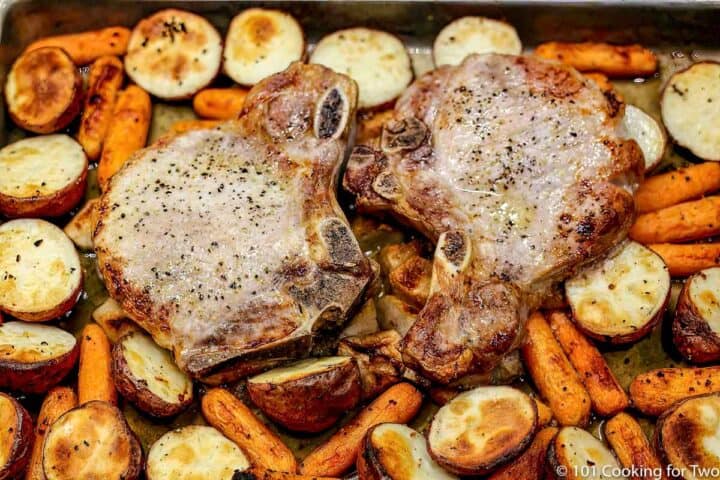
(228, 244)
(515, 167)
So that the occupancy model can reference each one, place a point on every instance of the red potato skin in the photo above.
(310, 404)
(37, 377)
(53, 313)
(22, 442)
(135, 389)
(369, 466)
(691, 334)
(55, 205)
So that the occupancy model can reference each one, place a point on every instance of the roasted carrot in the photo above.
(235, 420)
(183, 126)
(531, 464)
(545, 415)
(654, 391)
(680, 223)
(219, 103)
(632, 448)
(685, 260)
(606, 394)
(95, 380)
(127, 133)
(104, 81)
(398, 404)
(611, 60)
(260, 474)
(57, 401)
(671, 188)
(553, 374)
(85, 47)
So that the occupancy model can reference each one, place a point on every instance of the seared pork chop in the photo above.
(515, 167)
(227, 244)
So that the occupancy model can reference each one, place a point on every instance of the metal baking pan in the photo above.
(680, 31)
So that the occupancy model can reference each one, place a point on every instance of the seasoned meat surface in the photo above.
(514, 165)
(228, 244)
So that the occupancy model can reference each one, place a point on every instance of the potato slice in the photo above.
(42, 176)
(468, 35)
(40, 274)
(113, 320)
(147, 376)
(391, 451)
(364, 322)
(696, 327)
(80, 228)
(621, 298)
(92, 441)
(687, 437)
(307, 396)
(376, 60)
(16, 437)
(194, 451)
(394, 314)
(575, 454)
(261, 42)
(411, 280)
(43, 90)
(482, 429)
(689, 109)
(173, 54)
(648, 134)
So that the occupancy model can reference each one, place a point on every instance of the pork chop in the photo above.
(227, 244)
(515, 166)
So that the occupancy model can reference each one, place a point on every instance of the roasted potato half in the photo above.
(40, 272)
(482, 429)
(689, 109)
(376, 60)
(261, 42)
(391, 451)
(173, 54)
(687, 436)
(394, 314)
(147, 376)
(378, 359)
(648, 134)
(42, 176)
(35, 357)
(43, 92)
(307, 396)
(16, 437)
(468, 35)
(92, 441)
(621, 298)
(575, 454)
(80, 228)
(696, 327)
(193, 452)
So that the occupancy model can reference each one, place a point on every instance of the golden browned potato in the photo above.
(393, 255)
(80, 228)
(482, 429)
(92, 441)
(391, 451)
(574, 454)
(378, 359)
(307, 396)
(43, 92)
(16, 437)
(531, 464)
(42, 176)
(113, 320)
(147, 376)
(696, 327)
(411, 280)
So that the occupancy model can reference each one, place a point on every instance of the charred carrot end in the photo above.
(235, 420)
(95, 380)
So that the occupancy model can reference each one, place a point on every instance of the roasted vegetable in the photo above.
(219, 103)
(684, 260)
(376, 60)
(92, 441)
(468, 35)
(43, 176)
(612, 60)
(43, 91)
(481, 429)
(394, 314)
(261, 42)
(677, 186)
(194, 452)
(696, 327)
(621, 298)
(648, 134)
(689, 109)
(531, 464)
(655, 391)
(574, 454)
(34, 357)
(113, 320)
(173, 54)
(147, 376)
(693, 220)
(378, 359)
(632, 448)
(86, 47)
(391, 451)
(307, 396)
(16, 437)
(399, 404)
(410, 281)
(364, 322)
(80, 228)
(95, 381)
